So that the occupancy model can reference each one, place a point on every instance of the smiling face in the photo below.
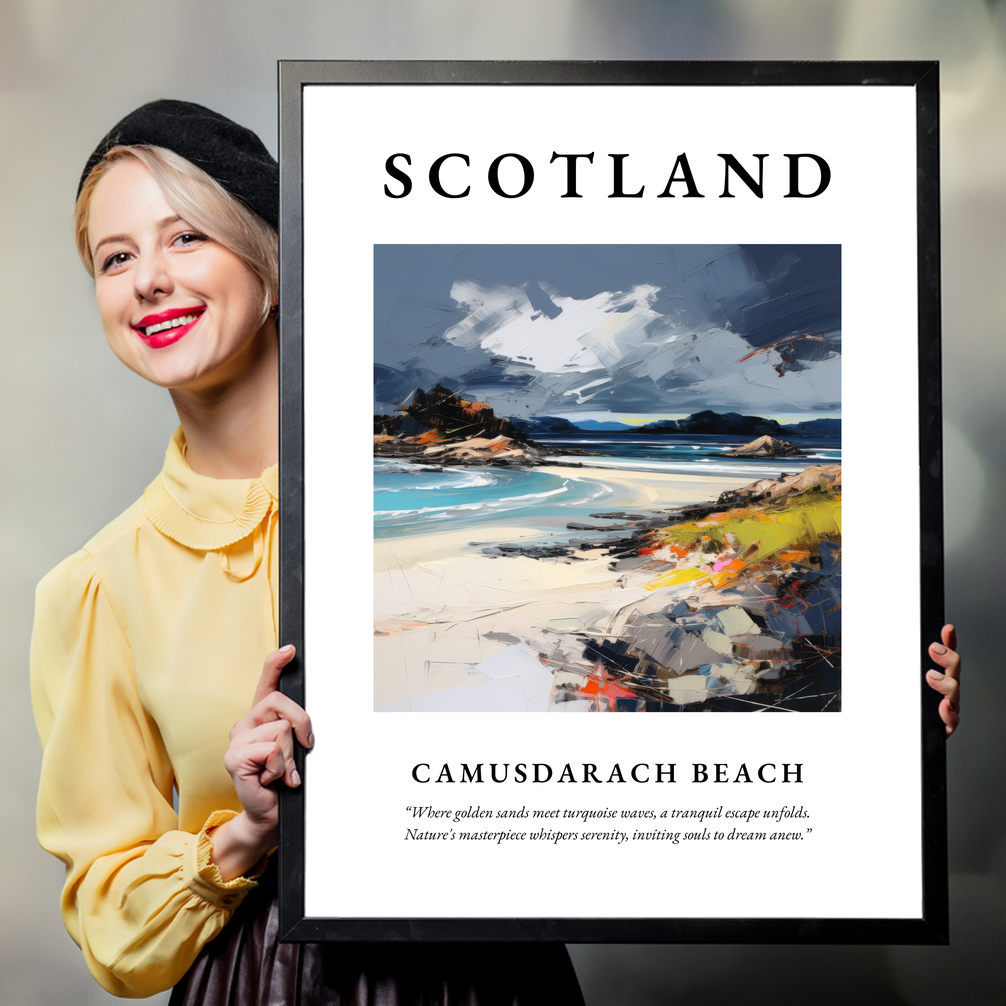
(177, 307)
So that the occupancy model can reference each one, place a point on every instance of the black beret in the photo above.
(230, 154)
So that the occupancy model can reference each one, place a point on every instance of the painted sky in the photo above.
(650, 330)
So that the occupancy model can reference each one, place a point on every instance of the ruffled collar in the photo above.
(203, 513)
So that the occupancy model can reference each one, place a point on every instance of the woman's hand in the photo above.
(260, 753)
(947, 682)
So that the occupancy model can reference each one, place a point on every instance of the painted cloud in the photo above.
(557, 329)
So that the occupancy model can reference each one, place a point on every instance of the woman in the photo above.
(148, 643)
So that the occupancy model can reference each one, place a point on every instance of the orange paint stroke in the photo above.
(395, 627)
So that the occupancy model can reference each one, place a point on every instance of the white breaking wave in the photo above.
(702, 466)
(472, 480)
(479, 505)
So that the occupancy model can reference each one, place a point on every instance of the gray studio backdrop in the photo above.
(82, 436)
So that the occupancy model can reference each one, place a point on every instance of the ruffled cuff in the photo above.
(203, 878)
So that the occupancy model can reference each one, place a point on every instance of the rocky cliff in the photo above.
(440, 427)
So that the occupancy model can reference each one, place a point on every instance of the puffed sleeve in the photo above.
(141, 898)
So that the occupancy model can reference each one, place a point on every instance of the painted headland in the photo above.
(607, 478)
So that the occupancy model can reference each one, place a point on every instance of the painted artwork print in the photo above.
(607, 478)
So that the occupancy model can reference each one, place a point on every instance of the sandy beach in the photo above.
(656, 489)
(459, 629)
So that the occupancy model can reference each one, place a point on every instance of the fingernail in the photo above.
(287, 649)
(938, 648)
(936, 675)
(295, 777)
(310, 740)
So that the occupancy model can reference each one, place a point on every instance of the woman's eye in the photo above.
(189, 238)
(114, 261)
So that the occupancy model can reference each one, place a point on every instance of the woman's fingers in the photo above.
(270, 703)
(947, 686)
(946, 657)
(263, 740)
(261, 749)
(274, 767)
(260, 761)
(277, 706)
(271, 671)
(949, 710)
(944, 653)
(949, 636)
(946, 681)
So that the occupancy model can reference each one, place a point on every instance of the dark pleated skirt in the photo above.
(246, 965)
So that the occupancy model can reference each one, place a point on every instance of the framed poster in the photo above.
(642, 361)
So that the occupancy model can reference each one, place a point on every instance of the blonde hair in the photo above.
(199, 200)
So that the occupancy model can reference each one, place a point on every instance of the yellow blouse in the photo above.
(147, 647)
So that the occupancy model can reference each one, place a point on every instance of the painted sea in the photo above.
(411, 498)
(607, 566)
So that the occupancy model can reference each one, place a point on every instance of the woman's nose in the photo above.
(152, 277)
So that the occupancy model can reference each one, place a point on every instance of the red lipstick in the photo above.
(166, 327)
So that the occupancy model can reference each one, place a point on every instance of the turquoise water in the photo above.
(410, 498)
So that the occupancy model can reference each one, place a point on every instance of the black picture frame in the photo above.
(931, 926)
